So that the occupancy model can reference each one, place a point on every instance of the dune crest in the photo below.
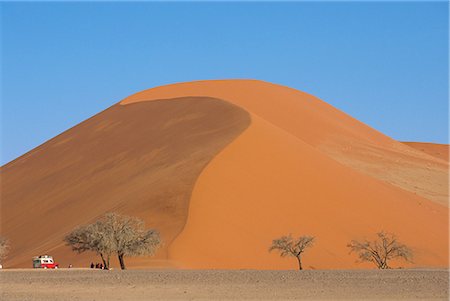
(331, 131)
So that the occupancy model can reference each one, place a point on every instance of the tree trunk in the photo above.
(104, 261)
(121, 261)
(299, 263)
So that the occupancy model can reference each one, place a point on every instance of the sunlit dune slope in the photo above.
(142, 160)
(329, 130)
(440, 151)
(267, 183)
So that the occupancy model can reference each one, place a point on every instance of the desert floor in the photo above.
(85, 284)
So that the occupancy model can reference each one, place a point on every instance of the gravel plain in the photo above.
(86, 284)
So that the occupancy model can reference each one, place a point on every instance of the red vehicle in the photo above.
(44, 262)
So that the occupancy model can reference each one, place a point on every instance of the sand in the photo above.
(440, 151)
(224, 285)
(324, 127)
(307, 194)
(141, 160)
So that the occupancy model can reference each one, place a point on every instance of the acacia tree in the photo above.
(92, 237)
(380, 251)
(4, 248)
(288, 246)
(115, 233)
(129, 236)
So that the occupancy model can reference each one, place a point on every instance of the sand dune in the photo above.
(439, 151)
(302, 191)
(331, 131)
(141, 160)
(221, 168)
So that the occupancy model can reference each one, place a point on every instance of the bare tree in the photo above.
(92, 237)
(380, 251)
(129, 236)
(115, 233)
(4, 248)
(288, 246)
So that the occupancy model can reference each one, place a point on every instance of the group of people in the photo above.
(97, 266)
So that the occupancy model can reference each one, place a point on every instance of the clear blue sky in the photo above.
(384, 63)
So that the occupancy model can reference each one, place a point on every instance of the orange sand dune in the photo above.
(222, 168)
(141, 160)
(331, 131)
(267, 183)
(440, 151)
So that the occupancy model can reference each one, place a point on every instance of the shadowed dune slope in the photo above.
(329, 130)
(141, 159)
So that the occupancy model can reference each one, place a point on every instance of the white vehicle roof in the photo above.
(42, 257)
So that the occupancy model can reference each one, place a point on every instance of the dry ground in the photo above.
(85, 284)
